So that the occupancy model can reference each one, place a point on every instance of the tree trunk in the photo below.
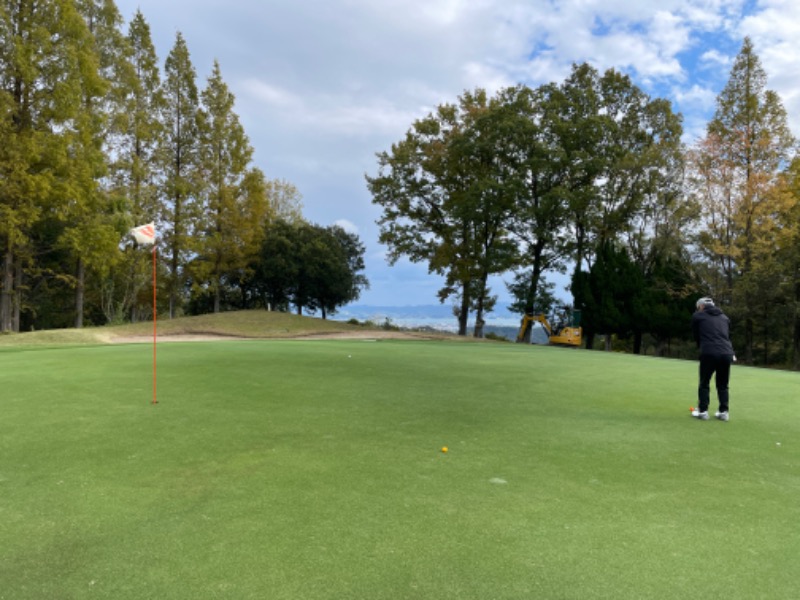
(530, 300)
(175, 258)
(79, 293)
(796, 349)
(7, 290)
(17, 304)
(589, 337)
(748, 340)
(637, 342)
(479, 322)
(463, 313)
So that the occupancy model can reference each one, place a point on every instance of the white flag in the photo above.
(145, 234)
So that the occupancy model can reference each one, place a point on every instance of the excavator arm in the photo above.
(566, 336)
(529, 320)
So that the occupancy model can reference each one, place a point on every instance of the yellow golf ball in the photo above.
(444, 449)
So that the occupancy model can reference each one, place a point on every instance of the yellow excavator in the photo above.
(560, 335)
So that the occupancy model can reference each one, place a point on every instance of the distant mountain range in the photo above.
(423, 312)
(434, 316)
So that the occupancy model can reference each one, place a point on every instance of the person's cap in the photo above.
(706, 301)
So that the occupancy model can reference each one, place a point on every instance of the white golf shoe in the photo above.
(703, 416)
(722, 416)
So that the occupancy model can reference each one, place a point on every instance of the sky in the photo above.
(321, 86)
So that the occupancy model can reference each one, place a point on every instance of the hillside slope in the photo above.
(248, 324)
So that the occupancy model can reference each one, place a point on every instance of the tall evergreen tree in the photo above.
(234, 215)
(91, 231)
(747, 143)
(136, 168)
(183, 181)
(610, 294)
(46, 67)
(789, 253)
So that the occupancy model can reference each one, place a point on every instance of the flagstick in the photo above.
(155, 318)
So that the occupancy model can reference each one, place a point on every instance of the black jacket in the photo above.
(711, 329)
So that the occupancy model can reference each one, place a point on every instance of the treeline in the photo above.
(95, 138)
(591, 175)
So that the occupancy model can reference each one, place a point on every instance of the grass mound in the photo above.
(314, 470)
(258, 324)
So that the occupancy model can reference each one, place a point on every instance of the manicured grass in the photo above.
(306, 470)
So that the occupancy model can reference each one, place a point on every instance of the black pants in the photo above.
(710, 364)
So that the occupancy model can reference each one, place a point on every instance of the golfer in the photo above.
(711, 329)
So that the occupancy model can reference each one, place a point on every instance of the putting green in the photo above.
(287, 469)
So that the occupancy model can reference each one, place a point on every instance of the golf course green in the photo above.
(311, 469)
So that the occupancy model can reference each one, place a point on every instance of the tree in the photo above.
(789, 255)
(658, 234)
(234, 212)
(135, 170)
(90, 234)
(184, 123)
(309, 266)
(609, 295)
(667, 297)
(344, 281)
(541, 200)
(445, 201)
(275, 271)
(598, 157)
(256, 212)
(738, 163)
(285, 200)
(611, 151)
(576, 151)
(45, 68)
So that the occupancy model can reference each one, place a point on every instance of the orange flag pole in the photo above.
(146, 235)
(155, 318)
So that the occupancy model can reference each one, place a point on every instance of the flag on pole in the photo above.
(145, 234)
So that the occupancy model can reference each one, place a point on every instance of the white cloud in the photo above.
(714, 59)
(270, 94)
(341, 114)
(775, 31)
(348, 226)
(696, 95)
